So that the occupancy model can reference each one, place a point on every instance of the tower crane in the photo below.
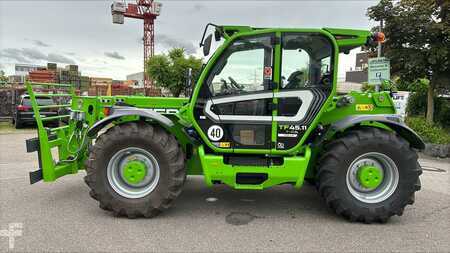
(146, 10)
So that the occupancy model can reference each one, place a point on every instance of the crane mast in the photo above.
(146, 10)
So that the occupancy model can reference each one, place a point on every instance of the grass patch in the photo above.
(431, 133)
(7, 128)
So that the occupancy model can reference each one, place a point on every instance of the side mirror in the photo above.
(217, 35)
(207, 45)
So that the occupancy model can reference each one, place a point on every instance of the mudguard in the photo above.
(118, 112)
(393, 121)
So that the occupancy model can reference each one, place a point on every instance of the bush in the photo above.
(442, 112)
(417, 104)
(368, 87)
(430, 133)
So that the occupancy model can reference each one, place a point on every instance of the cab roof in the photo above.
(346, 39)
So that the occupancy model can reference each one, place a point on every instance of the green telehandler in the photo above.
(264, 112)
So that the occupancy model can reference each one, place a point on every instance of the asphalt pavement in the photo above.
(61, 216)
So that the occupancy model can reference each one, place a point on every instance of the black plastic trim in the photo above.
(129, 111)
(391, 120)
(32, 144)
(251, 178)
(36, 176)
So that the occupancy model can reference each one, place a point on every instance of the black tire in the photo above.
(163, 146)
(310, 181)
(339, 154)
(18, 124)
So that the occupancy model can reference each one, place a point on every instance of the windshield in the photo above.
(40, 101)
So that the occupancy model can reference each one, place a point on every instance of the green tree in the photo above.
(418, 42)
(3, 78)
(169, 70)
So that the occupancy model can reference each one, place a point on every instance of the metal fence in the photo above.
(10, 96)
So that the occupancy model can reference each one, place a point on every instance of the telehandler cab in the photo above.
(263, 112)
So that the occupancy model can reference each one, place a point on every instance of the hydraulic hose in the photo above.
(81, 137)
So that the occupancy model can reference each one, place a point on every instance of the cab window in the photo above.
(245, 67)
(306, 61)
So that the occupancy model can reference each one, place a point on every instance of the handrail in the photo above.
(54, 106)
(52, 95)
(54, 117)
(52, 84)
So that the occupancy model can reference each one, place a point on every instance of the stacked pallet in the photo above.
(130, 83)
(119, 84)
(43, 76)
(85, 83)
(9, 98)
(52, 66)
(101, 81)
(72, 68)
(128, 91)
(70, 75)
(153, 92)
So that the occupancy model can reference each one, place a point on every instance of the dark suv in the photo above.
(24, 111)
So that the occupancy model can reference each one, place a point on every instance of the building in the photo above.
(359, 74)
(138, 77)
(347, 87)
(16, 79)
(24, 69)
(362, 61)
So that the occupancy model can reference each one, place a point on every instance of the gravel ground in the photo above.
(61, 216)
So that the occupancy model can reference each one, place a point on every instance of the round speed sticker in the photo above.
(215, 133)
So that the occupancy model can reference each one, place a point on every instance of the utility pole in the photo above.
(380, 29)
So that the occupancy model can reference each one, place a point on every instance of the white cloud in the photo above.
(85, 29)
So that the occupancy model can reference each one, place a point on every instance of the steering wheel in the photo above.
(225, 88)
(235, 84)
(326, 79)
(294, 80)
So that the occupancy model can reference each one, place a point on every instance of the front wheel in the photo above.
(135, 169)
(368, 175)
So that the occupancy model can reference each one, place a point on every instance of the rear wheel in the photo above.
(18, 123)
(135, 169)
(368, 175)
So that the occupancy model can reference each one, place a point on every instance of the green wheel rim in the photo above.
(134, 171)
(370, 176)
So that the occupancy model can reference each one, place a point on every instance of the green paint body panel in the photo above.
(291, 171)
(385, 105)
(203, 158)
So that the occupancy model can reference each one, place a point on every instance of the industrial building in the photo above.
(24, 69)
(138, 77)
(359, 74)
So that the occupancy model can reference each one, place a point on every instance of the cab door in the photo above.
(305, 84)
(235, 103)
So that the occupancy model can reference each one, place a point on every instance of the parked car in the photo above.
(24, 112)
